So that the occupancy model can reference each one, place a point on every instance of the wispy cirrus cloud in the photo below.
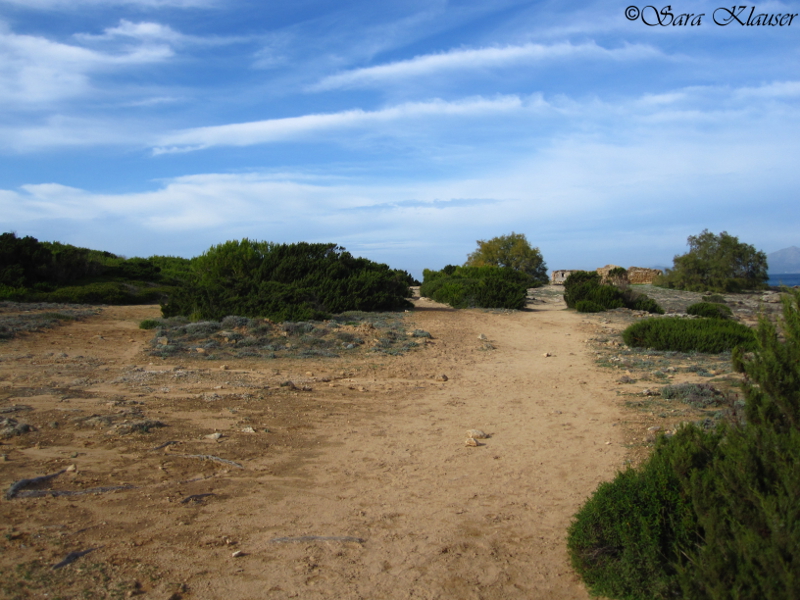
(35, 69)
(274, 130)
(479, 58)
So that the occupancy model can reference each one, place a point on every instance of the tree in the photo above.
(719, 263)
(512, 251)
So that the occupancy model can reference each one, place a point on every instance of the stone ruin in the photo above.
(642, 275)
(636, 275)
(559, 277)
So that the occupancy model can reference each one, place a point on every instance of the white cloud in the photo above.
(480, 58)
(273, 130)
(35, 70)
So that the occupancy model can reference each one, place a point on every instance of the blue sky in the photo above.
(403, 130)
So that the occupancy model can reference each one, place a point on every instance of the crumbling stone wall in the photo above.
(642, 275)
(559, 277)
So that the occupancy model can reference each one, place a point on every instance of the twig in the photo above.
(317, 538)
(195, 498)
(56, 493)
(15, 408)
(165, 444)
(72, 557)
(210, 457)
(23, 483)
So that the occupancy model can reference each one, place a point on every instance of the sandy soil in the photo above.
(360, 486)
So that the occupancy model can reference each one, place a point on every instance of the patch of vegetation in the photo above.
(713, 512)
(34, 271)
(689, 335)
(718, 263)
(715, 298)
(477, 287)
(242, 337)
(698, 395)
(587, 287)
(285, 282)
(710, 310)
(150, 324)
(14, 324)
(512, 252)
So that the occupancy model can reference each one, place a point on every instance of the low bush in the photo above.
(477, 287)
(689, 335)
(710, 310)
(626, 541)
(699, 395)
(711, 515)
(587, 306)
(285, 282)
(586, 286)
(150, 324)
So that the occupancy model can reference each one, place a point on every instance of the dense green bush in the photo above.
(625, 542)
(477, 287)
(717, 263)
(710, 310)
(587, 306)
(285, 282)
(689, 335)
(710, 515)
(36, 271)
(586, 286)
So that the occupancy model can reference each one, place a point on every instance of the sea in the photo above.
(787, 279)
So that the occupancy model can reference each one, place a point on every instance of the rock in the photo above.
(213, 436)
(654, 428)
(163, 340)
(477, 434)
(547, 354)
(248, 430)
(224, 368)
(442, 377)
(649, 392)
(472, 442)
(237, 554)
(482, 337)
(200, 350)
(71, 469)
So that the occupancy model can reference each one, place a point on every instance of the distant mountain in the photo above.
(784, 261)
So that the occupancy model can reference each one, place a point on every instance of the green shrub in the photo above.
(150, 323)
(477, 287)
(587, 306)
(689, 335)
(710, 515)
(710, 310)
(626, 541)
(285, 282)
(586, 286)
(715, 298)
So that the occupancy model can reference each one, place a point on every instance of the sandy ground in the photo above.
(352, 482)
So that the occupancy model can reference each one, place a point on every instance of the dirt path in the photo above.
(363, 487)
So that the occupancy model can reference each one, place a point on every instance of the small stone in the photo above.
(237, 554)
(477, 434)
(71, 469)
(214, 436)
(163, 340)
(248, 430)
(200, 350)
(309, 373)
(472, 442)
(224, 368)
(442, 377)
(654, 428)
(482, 337)
(547, 354)
(608, 443)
